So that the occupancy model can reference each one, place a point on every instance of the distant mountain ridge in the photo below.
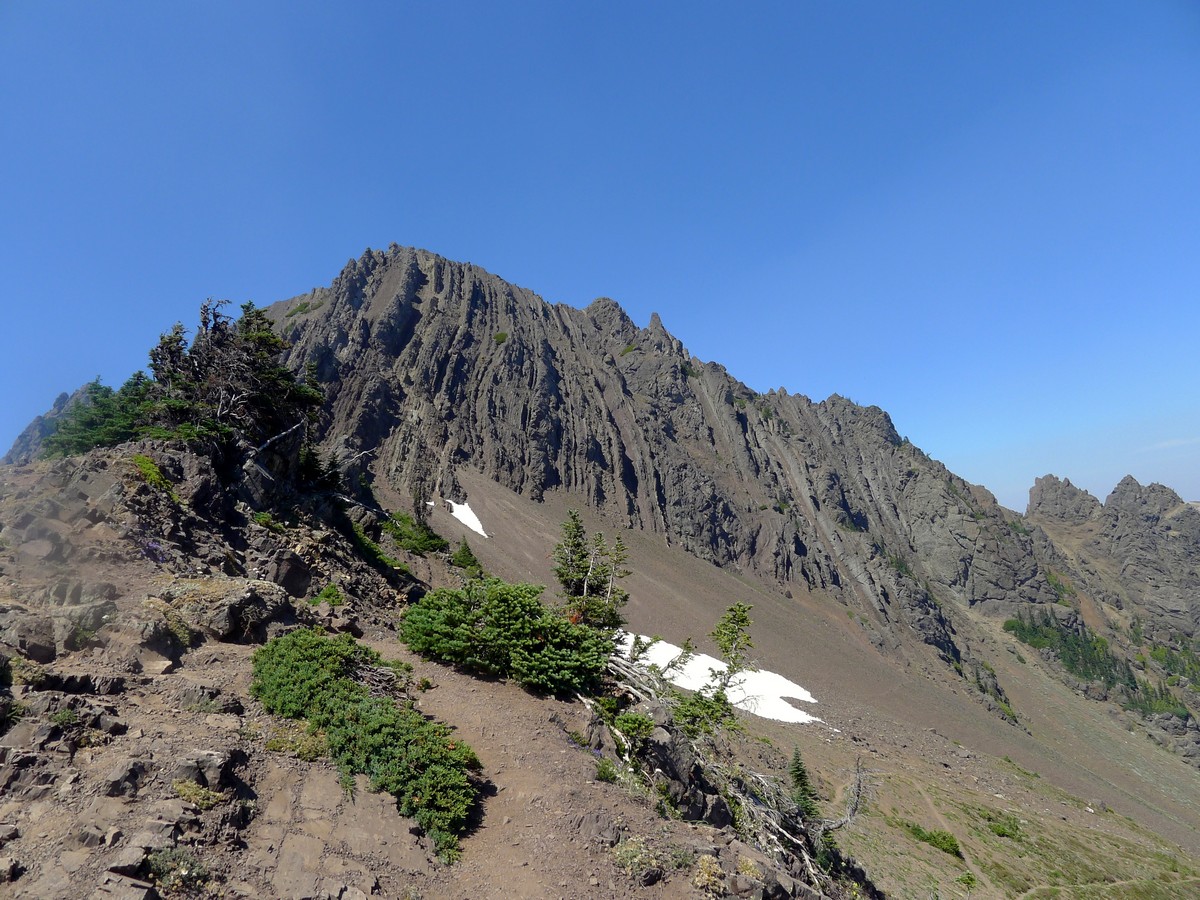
(1136, 552)
(28, 443)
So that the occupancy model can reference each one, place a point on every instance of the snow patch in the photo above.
(464, 514)
(761, 693)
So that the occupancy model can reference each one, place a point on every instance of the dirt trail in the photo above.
(529, 841)
(944, 825)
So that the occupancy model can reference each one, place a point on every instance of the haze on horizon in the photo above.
(982, 220)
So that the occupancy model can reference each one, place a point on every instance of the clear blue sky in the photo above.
(984, 218)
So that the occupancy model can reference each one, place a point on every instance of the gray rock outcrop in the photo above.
(1137, 552)
(1055, 498)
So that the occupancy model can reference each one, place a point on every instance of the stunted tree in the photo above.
(317, 474)
(802, 790)
(618, 555)
(571, 556)
(100, 417)
(465, 559)
(589, 572)
(709, 710)
(229, 383)
(227, 387)
(732, 637)
(782, 819)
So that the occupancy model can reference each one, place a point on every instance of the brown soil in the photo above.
(1082, 784)
(920, 727)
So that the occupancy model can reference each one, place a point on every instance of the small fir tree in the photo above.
(589, 571)
(803, 792)
(464, 558)
(571, 556)
(732, 637)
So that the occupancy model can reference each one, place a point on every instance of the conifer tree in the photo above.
(614, 595)
(464, 558)
(571, 556)
(100, 417)
(588, 571)
(598, 567)
(227, 388)
(732, 637)
(802, 790)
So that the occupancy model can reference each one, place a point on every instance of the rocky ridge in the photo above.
(425, 359)
(132, 753)
(1128, 569)
(433, 367)
(1136, 552)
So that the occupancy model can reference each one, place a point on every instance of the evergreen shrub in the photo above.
(495, 628)
(308, 675)
(415, 537)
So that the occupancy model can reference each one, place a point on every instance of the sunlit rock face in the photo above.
(431, 366)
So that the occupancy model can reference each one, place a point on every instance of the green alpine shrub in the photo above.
(501, 629)
(308, 675)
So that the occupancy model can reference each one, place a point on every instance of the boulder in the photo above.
(288, 569)
(10, 869)
(124, 779)
(208, 768)
(244, 615)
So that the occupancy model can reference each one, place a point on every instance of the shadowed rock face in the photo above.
(425, 359)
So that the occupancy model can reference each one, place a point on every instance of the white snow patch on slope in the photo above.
(464, 514)
(761, 693)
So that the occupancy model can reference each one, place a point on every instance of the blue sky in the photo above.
(983, 218)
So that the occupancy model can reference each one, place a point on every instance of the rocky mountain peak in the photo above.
(661, 340)
(1056, 498)
(1150, 501)
(609, 316)
(433, 367)
(1147, 539)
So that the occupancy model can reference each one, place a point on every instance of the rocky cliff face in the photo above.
(28, 444)
(1059, 500)
(432, 367)
(1128, 569)
(426, 359)
(1136, 553)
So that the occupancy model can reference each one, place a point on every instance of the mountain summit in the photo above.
(432, 367)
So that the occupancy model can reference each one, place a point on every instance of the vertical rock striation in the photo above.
(432, 365)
